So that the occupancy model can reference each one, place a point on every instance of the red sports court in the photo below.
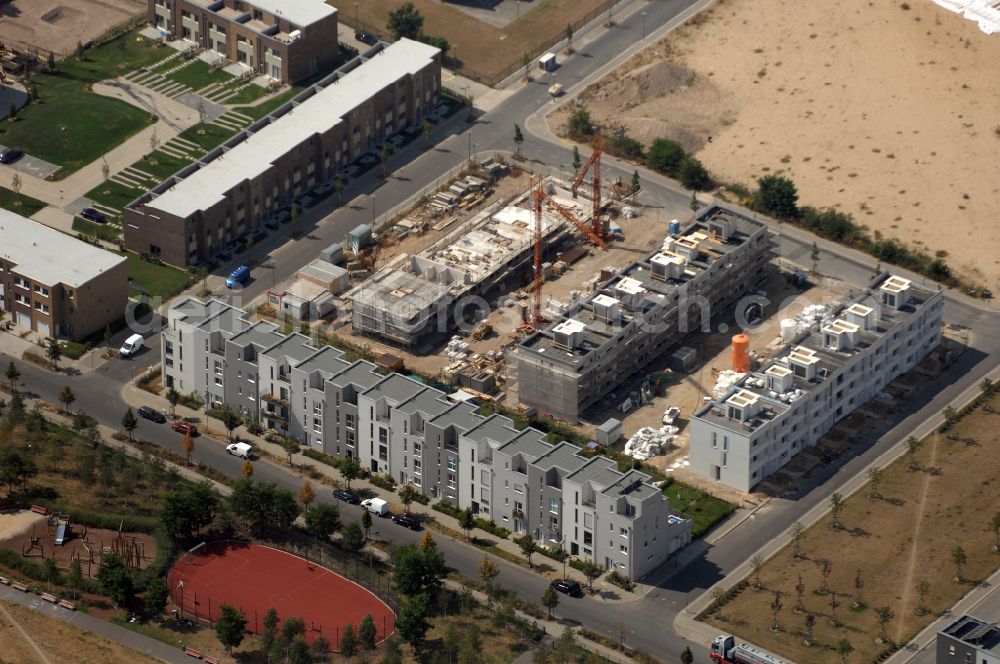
(255, 578)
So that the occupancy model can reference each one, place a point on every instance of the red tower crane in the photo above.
(593, 161)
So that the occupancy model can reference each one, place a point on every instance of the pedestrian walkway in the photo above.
(233, 120)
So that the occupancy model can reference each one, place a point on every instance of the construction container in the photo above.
(741, 353)
(360, 237)
(548, 62)
(609, 433)
(684, 359)
(333, 254)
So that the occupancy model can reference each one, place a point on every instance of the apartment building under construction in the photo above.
(642, 311)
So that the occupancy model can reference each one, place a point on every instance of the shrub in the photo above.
(665, 155)
(553, 553)
(492, 528)
(777, 195)
(621, 580)
(383, 482)
(694, 175)
(579, 123)
(445, 507)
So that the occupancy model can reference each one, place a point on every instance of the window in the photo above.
(41, 290)
(452, 463)
(624, 549)
(218, 368)
(317, 408)
(519, 488)
(554, 505)
(349, 421)
(623, 532)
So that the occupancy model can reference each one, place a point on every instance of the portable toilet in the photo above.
(548, 62)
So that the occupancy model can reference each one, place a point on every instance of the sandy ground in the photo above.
(887, 113)
(17, 523)
(57, 25)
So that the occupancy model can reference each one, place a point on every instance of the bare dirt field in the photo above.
(58, 641)
(57, 25)
(885, 110)
(478, 45)
(892, 543)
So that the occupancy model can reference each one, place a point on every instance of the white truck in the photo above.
(131, 346)
(376, 506)
(725, 650)
(240, 449)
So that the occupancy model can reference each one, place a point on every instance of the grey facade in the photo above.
(641, 312)
(969, 640)
(828, 371)
(399, 427)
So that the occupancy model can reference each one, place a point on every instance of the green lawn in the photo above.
(704, 509)
(117, 196)
(19, 203)
(247, 95)
(198, 74)
(165, 166)
(213, 135)
(71, 127)
(153, 279)
(262, 109)
(102, 231)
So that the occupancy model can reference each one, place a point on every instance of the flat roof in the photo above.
(49, 257)
(316, 115)
(300, 12)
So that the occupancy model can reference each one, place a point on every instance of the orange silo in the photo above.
(741, 353)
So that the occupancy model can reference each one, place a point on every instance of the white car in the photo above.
(131, 346)
(243, 450)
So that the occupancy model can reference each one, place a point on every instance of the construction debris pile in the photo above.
(456, 348)
(648, 442)
(724, 383)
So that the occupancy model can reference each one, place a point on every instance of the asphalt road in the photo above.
(647, 621)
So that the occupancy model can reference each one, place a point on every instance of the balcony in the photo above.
(270, 398)
(276, 417)
(284, 378)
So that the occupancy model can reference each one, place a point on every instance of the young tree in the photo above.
(115, 579)
(488, 572)
(718, 599)
(526, 63)
(950, 416)
(467, 521)
(407, 494)
(306, 495)
(405, 21)
(157, 595)
(833, 608)
(798, 534)
(757, 564)
(550, 599)
(154, 141)
(53, 352)
(230, 627)
(923, 587)
(912, 447)
(348, 642)
(367, 633)
(885, 615)
(353, 539)
(995, 526)
(844, 649)
(687, 657)
(528, 546)
(634, 185)
(579, 123)
(129, 423)
(810, 624)
(105, 172)
(518, 139)
(412, 623)
(293, 213)
(292, 627)
(425, 129)
(78, 51)
(107, 339)
(13, 374)
(173, 398)
(188, 446)
(320, 649)
(826, 570)
(776, 606)
(298, 651)
(230, 419)
(15, 184)
(874, 479)
(270, 632)
(350, 469)
(591, 571)
(959, 559)
(814, 257)
(693, 174)
(577, 162)
(800, 589)
(569, 38)
(777, 195)
(859, 585)
(74, 578)
(836, 507)
(323, 521)
(366, 522)
(427, 542)
(384, 156)
(66, 398)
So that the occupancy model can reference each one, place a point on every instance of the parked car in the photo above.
(407, 521)
(240, 449)
(94, 215)
(185, 428)
(567, 587)
(152, 414)
(10, 155)
(347, 496)
(366, 38)
(240, 276)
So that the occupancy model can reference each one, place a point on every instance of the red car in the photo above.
(185, 428)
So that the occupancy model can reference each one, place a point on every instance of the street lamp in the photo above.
(644, 25)
(562, 547)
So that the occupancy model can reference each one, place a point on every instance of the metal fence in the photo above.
(495, 77)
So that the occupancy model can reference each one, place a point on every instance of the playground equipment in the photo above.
(59, 527)
(34, 544)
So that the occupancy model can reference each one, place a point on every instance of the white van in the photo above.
(241, 449)
(131, 346)
(376, 506)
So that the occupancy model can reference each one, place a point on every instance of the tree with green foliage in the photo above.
(230, 627)
(836, 507)
(320, 649)
(814, 256)
(569, 38)
(874, 481)
(579, 122)
(13, 374)
(666, 156)
(756, 564)
(518, 139)
(418, 571)
(384, 157)
(687, 657)
(74, 577)
(230, 419)
(405, 21)
(188, 509)
(270, 632)
(693, 174)
(392, 653)
(528, 546)
(777, 195)
(488, 572)
(592, 571)
(367, 632)
(298, 651)
(263, 505)
(348, 642)
(157, 595)
(995, 527)
(634, 185)
(912, 447)
(129, 423)
(66, 398)
(107, 340)
(844, 649)
(350, 469)
(413, 623)
(366, 522)
(550, 599)
(407, 494)
(577, 162)
(115, 579)
(173, 398)
(323, 521)
(959, 559)
(425, 129)
(467, 521)
(54, 352)
(353, 538)
(885, 616)
(292, 626)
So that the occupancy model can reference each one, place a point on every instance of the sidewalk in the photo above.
(689, 628)
(274, 453)
(14, 344)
